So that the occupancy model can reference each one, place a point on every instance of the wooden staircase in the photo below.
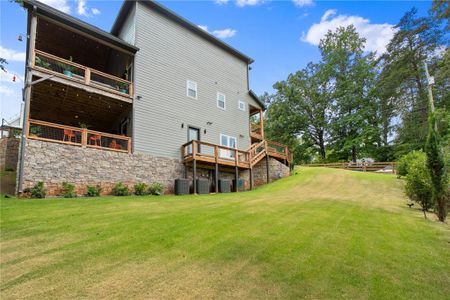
(258, 151)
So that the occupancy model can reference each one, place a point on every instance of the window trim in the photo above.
(224, 101)
(244, 105)
(188, 81)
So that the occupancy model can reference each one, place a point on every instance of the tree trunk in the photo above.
(354, 154)
(322, 147)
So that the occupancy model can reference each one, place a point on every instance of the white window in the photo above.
(242, 105)
(221, 100)
(191, 89)
(230, 142)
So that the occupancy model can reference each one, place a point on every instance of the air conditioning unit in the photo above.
(182, 186)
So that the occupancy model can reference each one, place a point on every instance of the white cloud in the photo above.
(221, 2)
(84, 10)
(61, 5)
(242, 3)
(6, 91)
(303, 3)
(225, 33)
(377, 35)
(95, 11)
(12, 55)
(81, 8)
(220, 33)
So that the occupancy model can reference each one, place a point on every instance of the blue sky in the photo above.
(281, 36)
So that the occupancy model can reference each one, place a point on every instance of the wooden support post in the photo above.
(194, 175)
(251, 178)
(129, 146)
(236, 179)
(185, 171)
(261, 122)
(84, 138)
(267, 169)
(216, 178)
(87, 76)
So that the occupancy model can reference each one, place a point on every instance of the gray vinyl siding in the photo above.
(128, 30)
(169, 55)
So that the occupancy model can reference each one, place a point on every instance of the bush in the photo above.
(93, 191)
(120, 189)
(68, 190)
(156, 188)
(405, 162)
(9, 169)
(141, 189)
(418, 183)
(38, 190)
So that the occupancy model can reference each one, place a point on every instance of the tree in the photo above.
(402, 77)
(440, 10)
(354, 122)
(418, 184)
(436, 169)
(301, 107)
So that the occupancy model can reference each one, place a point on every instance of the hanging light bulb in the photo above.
(20, 38)
(14, 78)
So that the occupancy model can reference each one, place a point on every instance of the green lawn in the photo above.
(319, 234)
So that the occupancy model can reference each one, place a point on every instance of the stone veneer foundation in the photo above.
(9, 153)
(54, 163)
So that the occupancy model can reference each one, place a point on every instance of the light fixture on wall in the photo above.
(182, 125)
(209, 123)
(138, 97)
(204, 131)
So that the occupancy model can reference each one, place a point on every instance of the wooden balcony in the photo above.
(75, 136)
(245, 159)
(66, 69)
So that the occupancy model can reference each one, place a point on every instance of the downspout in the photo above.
(26, 98)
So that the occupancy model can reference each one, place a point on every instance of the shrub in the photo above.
(418, 184)
(68, 190)
(93, 191)
(9, 169)
(156, 188)
(38, 190)
(141, 189)
(120, 189)
(405, 162)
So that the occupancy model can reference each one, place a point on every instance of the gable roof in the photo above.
(89, 29)
(127, 5)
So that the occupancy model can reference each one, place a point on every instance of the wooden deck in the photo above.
(68, 70)
(75, 136)
(245, 159)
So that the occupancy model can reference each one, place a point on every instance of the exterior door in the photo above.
(193, 134)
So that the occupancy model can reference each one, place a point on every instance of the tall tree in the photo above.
(354, 124)
(416, 39)
(301, 106)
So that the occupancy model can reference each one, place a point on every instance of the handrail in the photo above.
(114, 85)
(78, 136)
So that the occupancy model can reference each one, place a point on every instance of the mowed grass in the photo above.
(319, 234)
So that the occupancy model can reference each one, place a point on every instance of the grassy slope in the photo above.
(319, 234)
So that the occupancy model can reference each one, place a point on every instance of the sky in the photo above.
(281, 36)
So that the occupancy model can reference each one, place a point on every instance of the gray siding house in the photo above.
(155, 99)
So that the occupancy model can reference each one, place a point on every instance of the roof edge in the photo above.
(256, 98)
(126, 6)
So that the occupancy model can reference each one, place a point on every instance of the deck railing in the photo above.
(212, 153)
(66, 68)
(51, 132)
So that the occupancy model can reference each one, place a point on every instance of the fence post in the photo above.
(84, 137)
(129, 145)
(393, 168)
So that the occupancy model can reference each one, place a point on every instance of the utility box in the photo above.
(202, 186)
(224, 186)
(240, 184)
(182, 186)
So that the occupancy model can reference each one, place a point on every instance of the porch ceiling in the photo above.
(55, 102)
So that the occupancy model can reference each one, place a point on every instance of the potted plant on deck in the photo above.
(67, 69)
(123, 87)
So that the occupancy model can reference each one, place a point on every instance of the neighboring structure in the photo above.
(156, 99)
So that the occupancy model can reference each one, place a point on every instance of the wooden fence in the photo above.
(379, 167)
